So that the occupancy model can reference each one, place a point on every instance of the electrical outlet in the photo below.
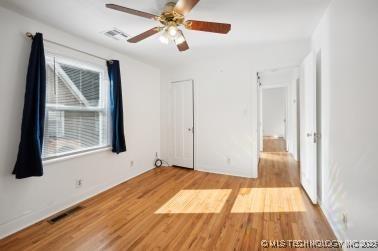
(132, 163)
(156, 155)
(344, 218)
(229, 161)
(79, 183)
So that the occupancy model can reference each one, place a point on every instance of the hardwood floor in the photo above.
(271, 144)
(178, 209)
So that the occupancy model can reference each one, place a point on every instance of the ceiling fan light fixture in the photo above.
(179, 39)
(172, 30)
(164, 38)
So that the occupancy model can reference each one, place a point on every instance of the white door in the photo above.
(183, 127)
(308, 167)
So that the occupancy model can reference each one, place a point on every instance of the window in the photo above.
(76, 118)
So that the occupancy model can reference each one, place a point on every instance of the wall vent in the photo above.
(64, 214)
(116, 34)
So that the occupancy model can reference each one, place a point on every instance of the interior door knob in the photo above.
(314, 135)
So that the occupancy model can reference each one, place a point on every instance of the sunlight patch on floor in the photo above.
(269, 200)
(196, 201)
(274, 157)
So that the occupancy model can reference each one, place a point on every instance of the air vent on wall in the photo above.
(116, 34)
(65, 213)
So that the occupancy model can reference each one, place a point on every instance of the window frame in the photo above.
(91, 65)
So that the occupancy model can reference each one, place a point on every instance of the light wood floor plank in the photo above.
(218, 212)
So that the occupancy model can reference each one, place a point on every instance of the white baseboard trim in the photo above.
(225, 173)
(29, 219)
(329, 218)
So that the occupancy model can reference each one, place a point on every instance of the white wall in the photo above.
(23, 202)
(274, 111)
(346, 43)
(226, 104)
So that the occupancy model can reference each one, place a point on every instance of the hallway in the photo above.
(272, 144)
(178, 209)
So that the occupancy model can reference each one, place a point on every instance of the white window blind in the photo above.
(76, 118)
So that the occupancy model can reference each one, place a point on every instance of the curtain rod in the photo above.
(30, 35)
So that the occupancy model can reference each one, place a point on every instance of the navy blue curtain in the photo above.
(118, 137)
(29, 160)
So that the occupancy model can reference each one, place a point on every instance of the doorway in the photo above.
(278, 110)
(302, 119)
(183, 131)
(274, 118)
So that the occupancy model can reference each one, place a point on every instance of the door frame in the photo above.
(194, 126)
(258, 87)
(258, 104)
(319, 127)
(260, 122)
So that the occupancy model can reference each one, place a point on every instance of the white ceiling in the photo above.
(253, 21)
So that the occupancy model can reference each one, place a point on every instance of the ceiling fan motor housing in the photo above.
(170, 17)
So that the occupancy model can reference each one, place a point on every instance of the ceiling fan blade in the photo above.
(144, 35)
(185, 6)
(183, 46)
(208, 26)
(131, 11)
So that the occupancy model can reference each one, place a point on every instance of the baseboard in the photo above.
(329, 218)
(274, 136)
(27, 220)
(224, 173)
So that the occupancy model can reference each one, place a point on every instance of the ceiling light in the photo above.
(180, 39)
(172, 30)
(164, 38)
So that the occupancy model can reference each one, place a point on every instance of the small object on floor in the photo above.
(158, 163)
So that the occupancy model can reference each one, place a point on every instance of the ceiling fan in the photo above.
(172, 18)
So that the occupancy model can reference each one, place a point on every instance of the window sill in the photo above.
(76, 155)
